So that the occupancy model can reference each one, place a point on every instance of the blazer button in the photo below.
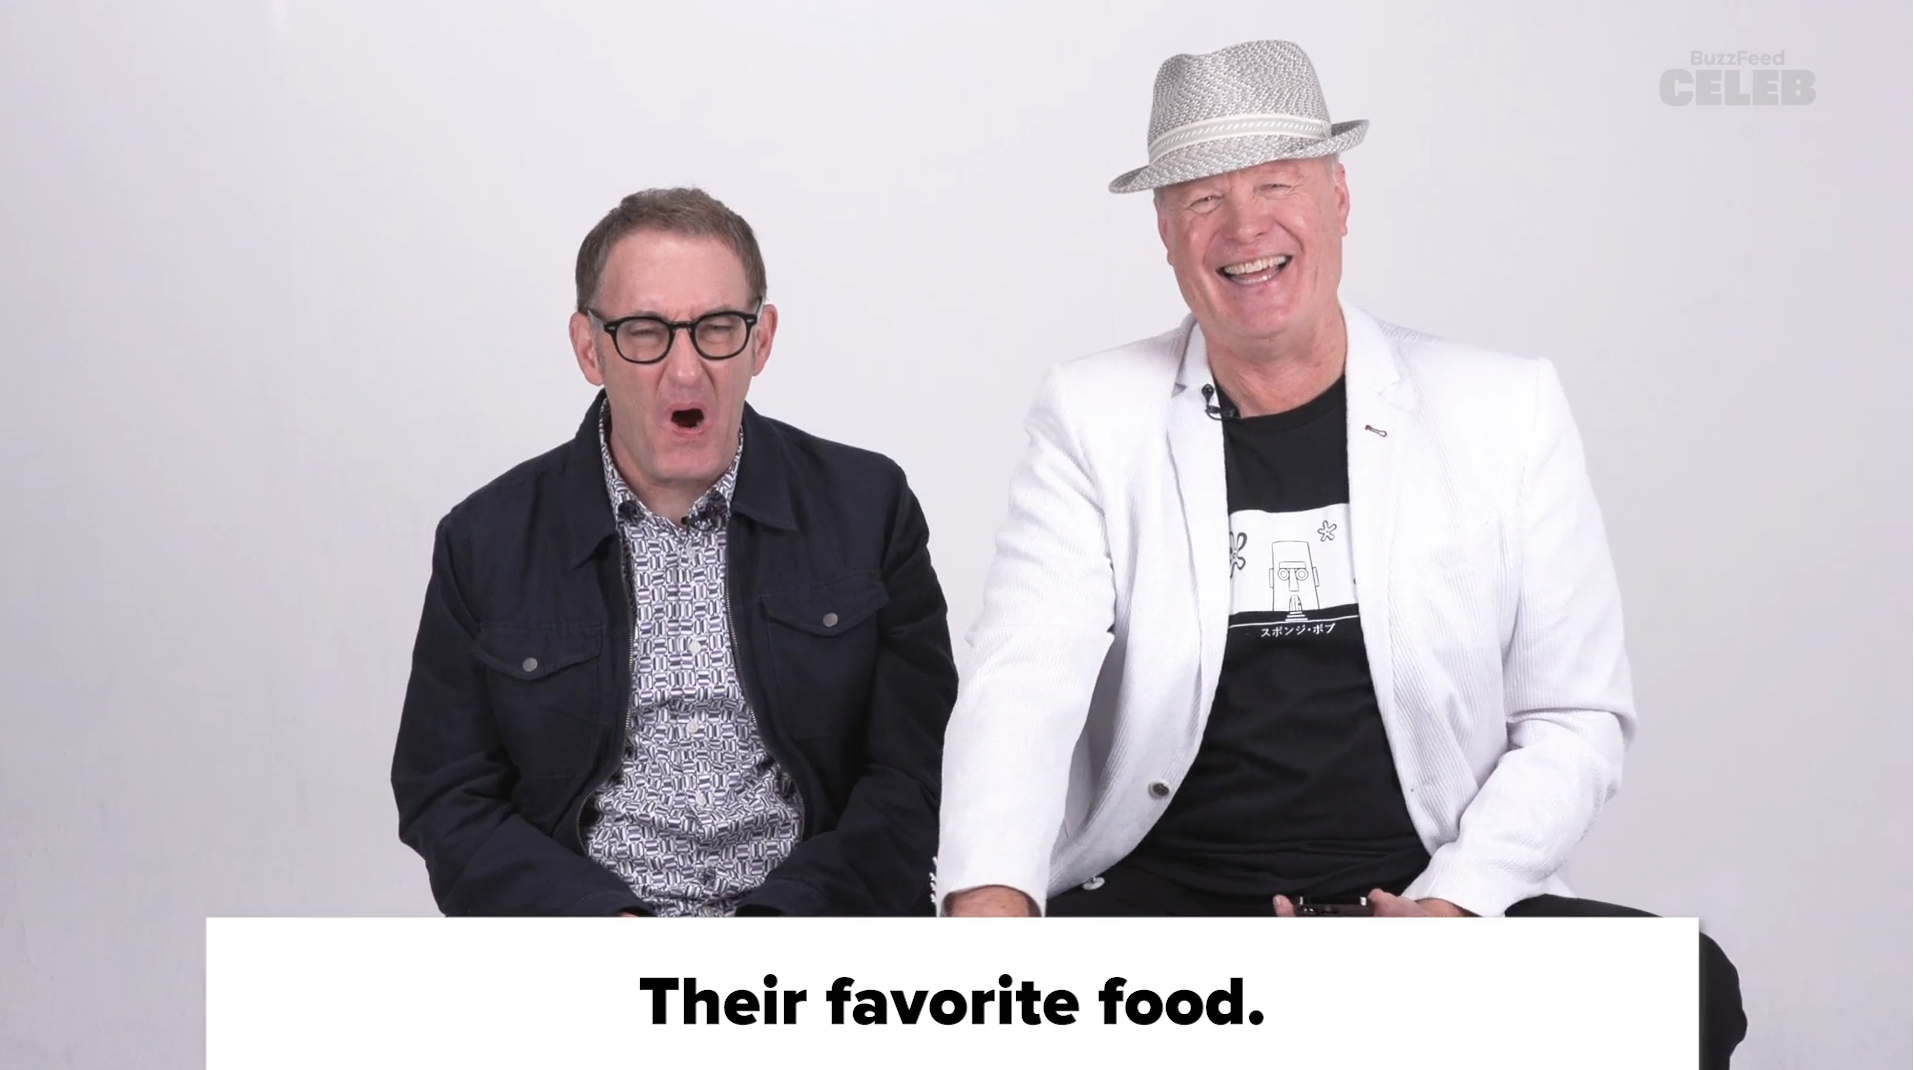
(1159, 789)
(830, 620)
(529, 665)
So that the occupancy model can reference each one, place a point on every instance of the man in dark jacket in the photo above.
(694, 661)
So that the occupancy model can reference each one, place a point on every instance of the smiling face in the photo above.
(674, 424)
(1258, 252)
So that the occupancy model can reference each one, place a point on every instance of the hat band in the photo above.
(1259, 124)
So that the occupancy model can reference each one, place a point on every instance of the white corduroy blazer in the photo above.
(1490, 614)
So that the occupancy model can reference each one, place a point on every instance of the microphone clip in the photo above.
(1217, 407)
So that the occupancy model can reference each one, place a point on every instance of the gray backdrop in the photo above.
(282, 281)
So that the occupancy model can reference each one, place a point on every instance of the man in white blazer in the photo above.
(1404, 680)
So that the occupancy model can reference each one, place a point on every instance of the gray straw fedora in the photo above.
(1237, 107)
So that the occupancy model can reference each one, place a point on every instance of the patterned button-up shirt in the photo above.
(699, 813)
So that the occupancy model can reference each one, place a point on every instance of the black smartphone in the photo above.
(1332, 906)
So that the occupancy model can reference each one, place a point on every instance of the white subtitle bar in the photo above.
(1059, 992)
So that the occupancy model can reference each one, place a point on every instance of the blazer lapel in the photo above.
(1382, 432)
(1196, 451)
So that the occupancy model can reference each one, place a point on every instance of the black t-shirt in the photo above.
(1293, 789)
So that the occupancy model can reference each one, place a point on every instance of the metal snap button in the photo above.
(529, 665)
(1159, 789)
(1093, 884)
(830, 620)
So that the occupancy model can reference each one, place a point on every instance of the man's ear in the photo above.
(766, 331)
(1342, 199)
(585, 348)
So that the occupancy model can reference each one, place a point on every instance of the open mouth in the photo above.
(690, 419)
(1250, 272)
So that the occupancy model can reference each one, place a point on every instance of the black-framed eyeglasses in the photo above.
(646, 339)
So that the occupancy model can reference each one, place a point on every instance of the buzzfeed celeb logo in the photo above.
(1737, 78)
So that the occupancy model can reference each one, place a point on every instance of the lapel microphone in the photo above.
(1215, 409)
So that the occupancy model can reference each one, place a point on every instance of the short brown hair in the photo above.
(680, 210)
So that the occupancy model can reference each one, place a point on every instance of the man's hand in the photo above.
(1391, 906)
(1384, 905)
(990, 901)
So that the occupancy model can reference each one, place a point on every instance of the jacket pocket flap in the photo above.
(533, 652)
(827, 608)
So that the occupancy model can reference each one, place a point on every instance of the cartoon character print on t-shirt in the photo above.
(1291, 576)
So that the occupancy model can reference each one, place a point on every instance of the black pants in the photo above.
(1125, 891)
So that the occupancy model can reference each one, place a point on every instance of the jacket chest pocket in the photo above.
(546, 685)
(1450, 589)
(823, 648)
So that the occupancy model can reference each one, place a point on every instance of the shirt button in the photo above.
(697, 645)
(830, 620)
(1159, 789)
(529, 665)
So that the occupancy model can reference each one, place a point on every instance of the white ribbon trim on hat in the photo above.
(1256, 124)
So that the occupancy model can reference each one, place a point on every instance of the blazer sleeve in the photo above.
(1567, 690)
(1049, 605)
